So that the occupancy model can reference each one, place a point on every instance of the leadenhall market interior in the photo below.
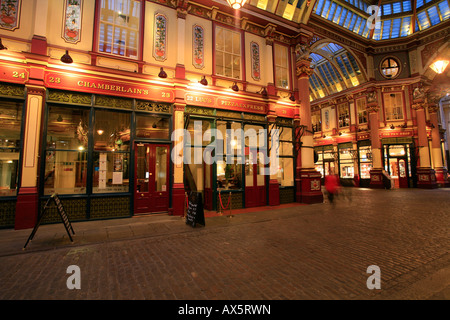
(93, 95)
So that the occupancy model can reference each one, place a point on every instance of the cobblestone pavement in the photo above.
(300, 252)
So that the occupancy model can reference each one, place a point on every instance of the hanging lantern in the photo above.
(439, 66)
(236, 4)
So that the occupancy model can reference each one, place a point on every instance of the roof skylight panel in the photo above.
(341, 66)
(434, 16)
(444, 9)
(396, 24)
(386, 30)
(406, 26)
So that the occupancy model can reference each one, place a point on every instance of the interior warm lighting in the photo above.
(100, 132)
(439, 66)
(235, 87)
(236, 4)
(81, 148)
(162, 73)
(66, 58)
(2, 47)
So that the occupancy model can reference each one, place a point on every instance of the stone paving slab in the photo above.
(312, 252)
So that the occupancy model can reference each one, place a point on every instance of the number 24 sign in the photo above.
(14, 74)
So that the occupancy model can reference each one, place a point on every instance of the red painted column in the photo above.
(308, 180)
(274, 187)
(376, 175)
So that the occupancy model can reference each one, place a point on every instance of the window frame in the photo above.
(387, 108)
(242, 77)
(140, 37)
(288, 67)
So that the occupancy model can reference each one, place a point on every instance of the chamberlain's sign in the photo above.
(60, 80)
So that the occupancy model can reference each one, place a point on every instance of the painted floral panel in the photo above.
(198, 47)
(10, 14)
(256, 67)
(159, 42)
(72, 21)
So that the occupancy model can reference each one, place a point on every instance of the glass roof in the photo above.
(335, 69)
(394, 18)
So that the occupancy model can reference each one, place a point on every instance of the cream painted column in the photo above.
(426, 177)
(178, 196)
(180, 70)
(436, 150)
(27, 206)
(39, 40)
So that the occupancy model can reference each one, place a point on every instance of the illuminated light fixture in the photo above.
(2, 47)
(66, 58)
(292, 97)
(81, 148)
(162, 73)
(235, 87)
(204, 81)
(439, 66)
(100, 132)
(236, 4)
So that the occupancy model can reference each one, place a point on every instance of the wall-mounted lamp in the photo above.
(2, 47)
(66, 58)
(235, 87)
(292, 97)
(340, 133)
(204, 81)
(236, 4)
(263, 92)
(162, 73)
(439, 65)
(392, 127)
(100, 132)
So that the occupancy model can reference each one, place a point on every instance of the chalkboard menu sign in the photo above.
(195, 213)
(62, 213)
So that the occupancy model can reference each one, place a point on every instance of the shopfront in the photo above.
(235, 172)
(105, 156)
(11, 132)
(397, 158)
(326, 160)
(364, 162)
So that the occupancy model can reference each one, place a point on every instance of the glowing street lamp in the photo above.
(439, 66)
(236, 4)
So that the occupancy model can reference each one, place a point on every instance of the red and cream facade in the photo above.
(64, 105)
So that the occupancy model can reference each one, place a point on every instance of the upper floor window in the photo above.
(228, 53)
(344, 115)
(119, 25)
(362, 111)
(393, 106)
(281, 66)
(390, 68)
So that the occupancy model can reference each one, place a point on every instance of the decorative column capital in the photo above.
(303, 68)
(433, 108)
(417, 106)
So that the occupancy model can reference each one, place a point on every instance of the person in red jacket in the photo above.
(332, 186)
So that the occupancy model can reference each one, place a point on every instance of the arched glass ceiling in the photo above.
(335, 69)
(395, 18)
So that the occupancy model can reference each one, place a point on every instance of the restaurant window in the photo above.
(111, 156)
(285, 175)
(346, 162)
(365, 161)
(255, 153)
(343, 115)
(228, 53)
(152, 127)
(119, 25)
(229, 169)
(281, 66)
(362, 111)
(10, 133)
(393, 106)
(66, 151)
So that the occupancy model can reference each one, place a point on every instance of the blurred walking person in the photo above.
(332, 187)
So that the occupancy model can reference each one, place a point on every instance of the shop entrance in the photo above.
(151, 192)
(398, 164)
(255, 182)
